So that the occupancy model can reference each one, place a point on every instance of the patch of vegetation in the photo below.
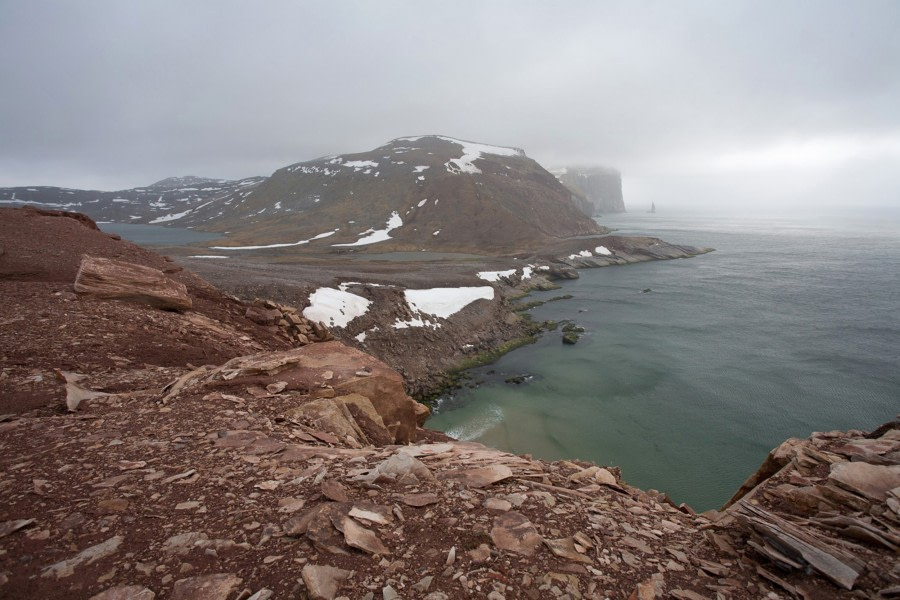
(492, 356)
(535, 303)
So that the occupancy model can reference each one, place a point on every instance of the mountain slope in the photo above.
(168, 201)
(411, 194)
(428, 192)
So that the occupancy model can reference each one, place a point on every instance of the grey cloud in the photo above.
(111, 94)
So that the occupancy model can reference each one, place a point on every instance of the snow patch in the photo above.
(420, 168)
(358, 165)
(170, 217)
(207, 256)
(373, 236)
(287, 245)
(602, 250)
(472, 152)
(335, 308)
(422, 203)
(415, 322)
(495, 275)
(582, 254)
(444, 302)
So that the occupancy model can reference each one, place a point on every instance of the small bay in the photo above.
(157, 235)
(791, 326)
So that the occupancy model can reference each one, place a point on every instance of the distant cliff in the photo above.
(597, 188)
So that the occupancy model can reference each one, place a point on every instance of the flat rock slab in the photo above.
(8, 527)
(419, 500)
(323, 582)
(87, 556)
(480, 477)
(357, 536)
(205, 587)
(514, 532)
(117, 280)
(565, 548)
(871, 481)
(125, 592)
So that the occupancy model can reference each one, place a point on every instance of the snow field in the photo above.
(335, 308)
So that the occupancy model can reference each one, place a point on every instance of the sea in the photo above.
(792, 325)
(157, 235)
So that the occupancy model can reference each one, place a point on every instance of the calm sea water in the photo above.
(157, 235)
(791, 326)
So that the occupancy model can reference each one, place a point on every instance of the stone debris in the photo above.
(290, 322)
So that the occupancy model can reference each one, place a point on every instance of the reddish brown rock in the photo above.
(205, 587)
(322, 582)
(117, 280)
(263, 315)
(125, 592)
(332, 367)
(514, 532)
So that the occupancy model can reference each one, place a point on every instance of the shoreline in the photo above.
(431, 358)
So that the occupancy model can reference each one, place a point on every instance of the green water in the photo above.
(786, 329)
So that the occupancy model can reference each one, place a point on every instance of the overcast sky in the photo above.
(696, 102)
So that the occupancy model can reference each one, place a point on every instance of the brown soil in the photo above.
(44, 326)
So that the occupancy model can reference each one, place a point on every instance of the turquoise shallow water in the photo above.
(790, 327)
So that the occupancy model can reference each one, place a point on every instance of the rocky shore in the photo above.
(161, 439)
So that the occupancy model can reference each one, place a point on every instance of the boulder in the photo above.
(388, 396)
(117, 280)
(332, 369)
(366, 417)
(327, 415)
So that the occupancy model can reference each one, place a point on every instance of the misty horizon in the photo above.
(697, 105)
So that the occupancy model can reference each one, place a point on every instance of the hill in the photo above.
(429, 192)
(414, 193)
